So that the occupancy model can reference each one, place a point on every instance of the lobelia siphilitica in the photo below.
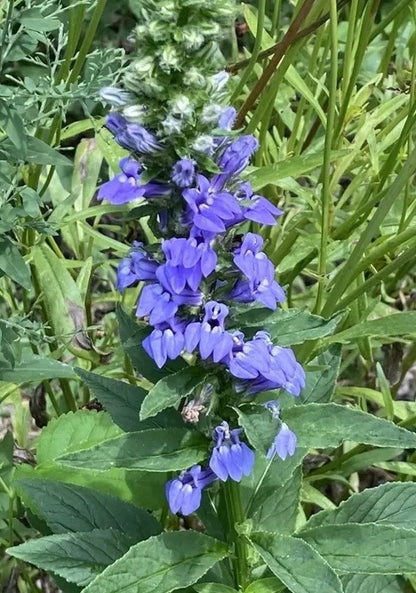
(186, 166)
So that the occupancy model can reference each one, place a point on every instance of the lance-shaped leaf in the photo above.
(77, 557)
(329, 425)
(388, 504)
(157, 450)
(365, 549)
(70, 508)
(163, 563)
(371, 583)
(296, 564)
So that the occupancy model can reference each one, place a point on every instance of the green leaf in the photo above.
(77, 557)
(13, 264)
(123, 402)
(73, 432)
(168, 391)
(63, 303)
(365, 549)
(267, 585)
(158, 450)
(32, 18)
(213, 588)
(320, 383)
(329, 425)
(37, 369)
(296, 564)
(162, 563)
(388, 504)
(267, 477)
(278, 512)
(371, 583)
(259, 426)
(72, 508)
(399, 324)
(291, 167)
(289, 327)
(132, 335)
(139, 488)
(40, 153)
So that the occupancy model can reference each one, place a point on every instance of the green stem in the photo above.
(326, 187)
(235, 517)
(256, 50)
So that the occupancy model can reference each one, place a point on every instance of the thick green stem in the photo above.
(235, 517)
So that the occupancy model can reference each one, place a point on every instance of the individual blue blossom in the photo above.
(157, 303)
(284, 444)
(126, 186)
(226, 118)
(184, 492)
(256, 208)
(187, 262)
(234, 159)
(210, 334)
(248, 360)
(135, 268)
(131, 135)
(166, 341)
(230, 457)
(210, 210)
(282, 370)
(258, 283)
(184, 172)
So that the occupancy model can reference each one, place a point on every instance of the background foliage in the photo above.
(335, 118)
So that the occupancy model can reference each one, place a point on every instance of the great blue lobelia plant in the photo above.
(186, 162)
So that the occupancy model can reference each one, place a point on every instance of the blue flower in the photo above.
(211, 210)
(234, 159)
(256, 208)
(136, 267)
(227, 118)
(166, 341)
(131, 136)
(184, 172)
(184, 492)
(210, 334)
(259, 283)
(230, 457)
(284, 444)
(126, 186)
(161, 306)
(116, 97)
(187, 262)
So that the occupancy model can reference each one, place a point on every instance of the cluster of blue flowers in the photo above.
(204, 264)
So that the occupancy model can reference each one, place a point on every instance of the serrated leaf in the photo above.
(13, 264)
(365, 549)
(371, 583)
(278, 512)
(388, 504)
(163, 563)
(296, 564)
(158, 450)
(168, 391)
(74, 431)
(123, 402)
(320, 384)
(329, 425)
(70, 508)
(399, 324)
(287, 327)
(77, 557)
(37, 369)
(139, 488)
